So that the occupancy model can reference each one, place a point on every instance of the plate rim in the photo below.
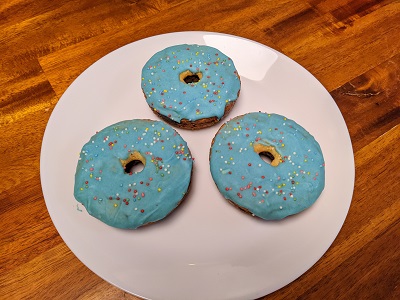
(49, 123)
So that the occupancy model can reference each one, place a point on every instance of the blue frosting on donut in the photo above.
(168, 95)
(126, 199)
(269, 192)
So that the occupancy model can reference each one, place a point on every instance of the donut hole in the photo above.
(190, 77)
(135, 163)
(267, 157)
(268, 154)
(134, 166)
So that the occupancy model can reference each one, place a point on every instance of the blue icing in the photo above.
(169, 96)
(130, 200)
(269, 192)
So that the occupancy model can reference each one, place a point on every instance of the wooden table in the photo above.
(351, 47)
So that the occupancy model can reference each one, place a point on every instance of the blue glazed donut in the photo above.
(288, 180)
(190, 86)
(111, 192)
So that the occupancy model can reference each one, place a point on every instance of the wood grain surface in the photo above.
(352, 47)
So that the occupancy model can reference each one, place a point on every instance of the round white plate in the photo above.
(206, 249)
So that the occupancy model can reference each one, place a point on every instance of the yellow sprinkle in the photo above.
(91, 175)
(159, 189)
(81, 189)
(115, 204)
(283, 145)
(162, 147)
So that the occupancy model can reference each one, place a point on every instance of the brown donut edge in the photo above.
(198, 124)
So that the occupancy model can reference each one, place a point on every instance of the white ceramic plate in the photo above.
(206, 249)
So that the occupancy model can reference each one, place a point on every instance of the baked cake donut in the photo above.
(190, 86)
(113, 192)
(267, 165)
